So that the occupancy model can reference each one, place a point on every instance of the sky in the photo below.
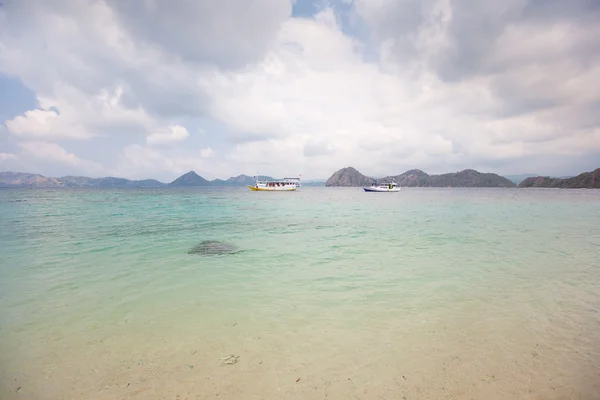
(156, 88)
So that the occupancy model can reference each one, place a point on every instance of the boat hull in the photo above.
(272, 189)
(381, 190)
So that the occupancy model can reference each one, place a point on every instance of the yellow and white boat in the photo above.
(284, 185)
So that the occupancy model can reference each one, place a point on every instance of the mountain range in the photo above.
(193, 179)
(21, 179)
(417, 178)
(349, 177)
(589, 180)
(519, 178)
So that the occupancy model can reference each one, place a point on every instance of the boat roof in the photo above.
(280, 180)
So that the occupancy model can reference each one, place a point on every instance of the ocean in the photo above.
(333, 294)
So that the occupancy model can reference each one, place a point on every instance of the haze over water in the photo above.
(336, 293)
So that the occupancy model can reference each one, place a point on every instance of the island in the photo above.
(27, 180)
(190, 179)
(350, 177)
(586, 180)
(345, 177)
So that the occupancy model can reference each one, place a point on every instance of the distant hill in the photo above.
(27, 180)
(240, 180)
(469, 178)
(20, 179)
(519, 178)
(413, 177)
(348, 177)
(190, 179)
(83, 181)
(586, 180)
(417, 178)
(193, 179)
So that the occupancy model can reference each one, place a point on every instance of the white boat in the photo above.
(383, 187)
(283, 185)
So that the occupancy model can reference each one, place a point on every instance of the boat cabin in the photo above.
(389, 185)
(285, 182)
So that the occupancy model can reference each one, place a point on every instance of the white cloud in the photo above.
(206, 152)
(314, 95)
(8, 156)
(438, 85)
(226, 33)
(55, 154)
(43, 124)
(142, 162)
(317, 148)
(80, 116)
(175, 133)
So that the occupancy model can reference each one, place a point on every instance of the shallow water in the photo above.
(336, 293)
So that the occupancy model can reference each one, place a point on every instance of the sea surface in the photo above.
(333, 294)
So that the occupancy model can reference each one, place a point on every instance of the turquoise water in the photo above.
(426, 293)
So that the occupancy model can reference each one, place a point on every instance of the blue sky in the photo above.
(103, 87)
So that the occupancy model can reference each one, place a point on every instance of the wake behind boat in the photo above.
(383, 187)
(284, 185)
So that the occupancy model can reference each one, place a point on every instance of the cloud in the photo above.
(226, 33)
(435, 84)
(141, 162)
(175, 133)
(54, 153)
(8, 156)
(43, 123)
(529, 55)
(314, 95)
(207, 152)
(318, 148)
(73, 115)
(86, 52)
